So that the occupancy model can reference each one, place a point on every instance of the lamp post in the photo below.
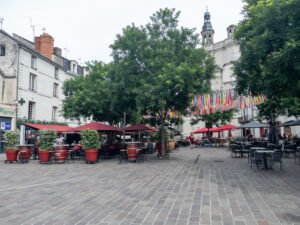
(124, 124)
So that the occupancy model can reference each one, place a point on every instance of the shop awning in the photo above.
(57, 128)
(95, 126)
(140, 128)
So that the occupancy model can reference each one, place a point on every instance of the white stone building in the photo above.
(224, 52)
(31, 79)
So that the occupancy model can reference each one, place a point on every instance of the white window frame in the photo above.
(2, 50)
(31, 110)
(32, 82)
(55, 90)
(33, 62)
(56, 72)
(54, 113)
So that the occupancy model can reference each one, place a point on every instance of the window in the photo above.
(56, 73)
(33, 62)
(2, 50)
(31, 108)
(32, 82)
(54, 113)
(55, 90)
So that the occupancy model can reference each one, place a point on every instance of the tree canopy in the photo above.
(156, 68)
(269, 40)
(162, 64)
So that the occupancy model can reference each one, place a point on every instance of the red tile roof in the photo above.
(95, 126)
(58, 128)
(140, 127)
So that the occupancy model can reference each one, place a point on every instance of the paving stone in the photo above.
(157, 192)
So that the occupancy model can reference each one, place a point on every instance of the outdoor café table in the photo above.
(265, 153)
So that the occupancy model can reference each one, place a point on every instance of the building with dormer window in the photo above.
(31, 79)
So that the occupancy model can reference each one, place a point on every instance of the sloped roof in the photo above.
(95, 126)
(140, 127)
(58, 128)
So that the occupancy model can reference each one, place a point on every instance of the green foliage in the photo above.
(90, 139)
(24, 120)
(11, 139)
(269, 39)
(154, 136)
(156, 68)
(217, 118)
(46, 139)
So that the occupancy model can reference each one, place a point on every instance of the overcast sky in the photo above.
(87, 28)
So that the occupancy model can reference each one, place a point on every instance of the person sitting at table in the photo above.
(250, 138)
(77, 149)
(59, 139)
(192, 141)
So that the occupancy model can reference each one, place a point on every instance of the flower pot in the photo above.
(11, 155)
(132, 151)
(27, 149)
(61, 153)
(91, 155)
(44, 156)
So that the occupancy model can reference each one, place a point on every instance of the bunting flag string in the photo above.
(224, 100)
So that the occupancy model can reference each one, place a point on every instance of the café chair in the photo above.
(276, 157)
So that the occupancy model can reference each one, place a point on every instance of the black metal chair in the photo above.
(258, 160)
(246, 151)
(276, 157)
(235, 150)
(297, 155)
(290, 150)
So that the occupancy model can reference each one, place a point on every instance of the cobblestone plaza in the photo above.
(200, 186)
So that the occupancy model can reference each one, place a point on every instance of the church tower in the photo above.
(207, 30)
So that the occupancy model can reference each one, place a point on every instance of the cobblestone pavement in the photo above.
(200, 186)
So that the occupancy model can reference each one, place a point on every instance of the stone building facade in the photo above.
(224, 53)
(31, 79)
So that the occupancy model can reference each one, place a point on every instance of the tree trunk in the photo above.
(273, 132)
(162, 140)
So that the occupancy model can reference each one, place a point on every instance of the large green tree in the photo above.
(269, 39)
(101, 95)
(163, 64)
(156, 68)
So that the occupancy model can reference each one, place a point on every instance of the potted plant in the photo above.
(46, 140)
(11, 149)
(91, 145)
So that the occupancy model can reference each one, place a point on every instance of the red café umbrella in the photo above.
(227, 127)
(200, 130)
(95, 126)
(140, 128)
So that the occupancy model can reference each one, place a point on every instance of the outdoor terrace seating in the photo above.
(289, 150)
(236, 149)
(276, 157)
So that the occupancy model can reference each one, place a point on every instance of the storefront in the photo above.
(6, 122)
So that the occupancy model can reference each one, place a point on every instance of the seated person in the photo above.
(250, 138)
(77, 147)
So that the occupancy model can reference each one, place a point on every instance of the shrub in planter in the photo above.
(46, 140)
(12, 140)
(91, 145)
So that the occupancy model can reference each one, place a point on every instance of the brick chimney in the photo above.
(44, 45)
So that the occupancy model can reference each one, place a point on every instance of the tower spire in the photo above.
(207, 30)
